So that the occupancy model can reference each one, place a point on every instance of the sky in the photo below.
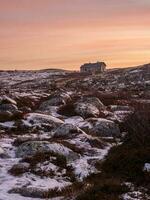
(36, 34)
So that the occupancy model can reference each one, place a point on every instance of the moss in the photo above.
(103, 188)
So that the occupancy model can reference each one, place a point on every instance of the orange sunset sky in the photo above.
(36, 34)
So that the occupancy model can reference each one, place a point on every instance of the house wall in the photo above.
(93, 68)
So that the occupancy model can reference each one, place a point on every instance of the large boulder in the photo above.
(103, 127)
(36, 119)
(66, 130)
(56, 100)
(94, 101)
(32, 147)
(86, 110)
(89, 107)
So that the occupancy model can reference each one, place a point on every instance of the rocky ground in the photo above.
(66, 135)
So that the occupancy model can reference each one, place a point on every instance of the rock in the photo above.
(8, 107)
(7, 100)
(22, 139)
(8, 110)
(36, 119)
(103, 127)
(3, 154)
(18, 114)
(19, 169)
(33, 147)
(5, 116)
(94, 101)
(56, 100)
(66, 130)
(26, 109)
(86, 110)
(33, 192)
(146, 167)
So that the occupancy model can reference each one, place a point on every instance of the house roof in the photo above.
(92, 64)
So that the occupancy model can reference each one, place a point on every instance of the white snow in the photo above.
(46, 166)
(9, 124)
(82, 169)
(147, 167)
(75, 120)
(81, 166)
(135, 71)
(60, 149)
(135, 195)
(7, 181)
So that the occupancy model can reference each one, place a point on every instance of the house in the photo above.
(93, 68)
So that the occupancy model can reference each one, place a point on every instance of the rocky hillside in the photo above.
(67, 135)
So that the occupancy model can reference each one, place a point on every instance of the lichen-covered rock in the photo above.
(33, 147)
(86, 110)
(103, 127)
(94, 101)
(56, 100)
(36, 119)
(66, 130)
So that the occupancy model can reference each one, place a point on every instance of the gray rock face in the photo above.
(86, 110)
(66, 130)
(33, 147)
(103, 128)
